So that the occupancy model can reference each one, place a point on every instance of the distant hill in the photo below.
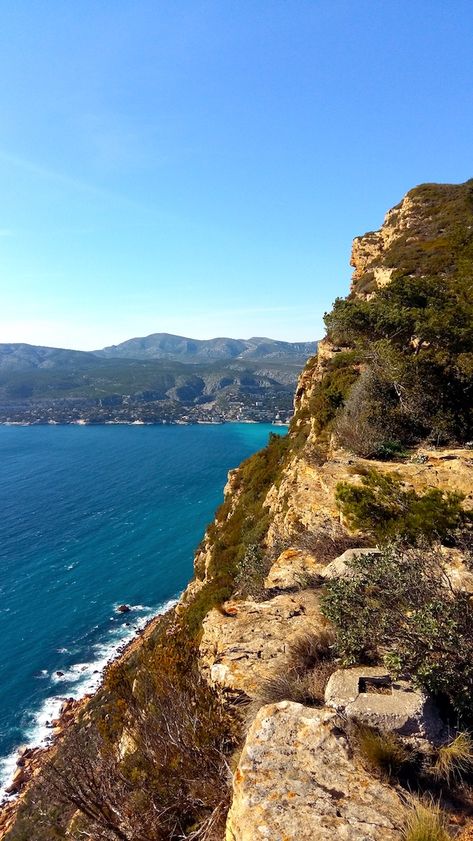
(183, 349)
(22, 357)
(159, 377)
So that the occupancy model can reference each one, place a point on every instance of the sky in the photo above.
(201, 167)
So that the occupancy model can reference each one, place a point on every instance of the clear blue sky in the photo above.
(201, 166)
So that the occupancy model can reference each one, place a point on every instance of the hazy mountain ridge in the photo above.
(183, 349)
(226, 378)
(22, 356)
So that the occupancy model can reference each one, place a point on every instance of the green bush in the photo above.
(399, 606)
(384, 507)
(415, 333)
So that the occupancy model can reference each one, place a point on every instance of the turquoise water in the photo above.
(92, 517)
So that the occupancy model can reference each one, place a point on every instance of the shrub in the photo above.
(169, 778)
(455, 759)
(400, 606)
(426, 822)
(383, 506)
(372, 423)
(415, 335)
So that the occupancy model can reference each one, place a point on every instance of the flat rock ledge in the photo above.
(246, 642)
(296, 779)
(369, 695)
(295, 567)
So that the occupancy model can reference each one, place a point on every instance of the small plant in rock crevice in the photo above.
(381, 751)
(455, 759)
(302, 678)
(425, 822)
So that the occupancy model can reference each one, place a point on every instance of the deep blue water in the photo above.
(91, 517)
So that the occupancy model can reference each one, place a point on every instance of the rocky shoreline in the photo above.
(31, 760)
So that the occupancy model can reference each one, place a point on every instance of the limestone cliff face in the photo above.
(370, 252)
(297, 777)
(419, 233)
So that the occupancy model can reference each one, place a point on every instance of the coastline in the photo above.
(143, 423)
(63, 708)
(30, 758)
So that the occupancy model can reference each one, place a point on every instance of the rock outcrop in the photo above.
(417, 233)
(296, 779)
(368, 695)
(246, 642)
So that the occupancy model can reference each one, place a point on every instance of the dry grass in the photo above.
(310, 649)
(289, 686)
(309, 664)
(383, 752)
(426, 822)
(454, 760)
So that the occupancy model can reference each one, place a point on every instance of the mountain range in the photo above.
(23, 357)
(156, 378)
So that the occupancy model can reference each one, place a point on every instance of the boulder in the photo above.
(123, 608)
(339, 566)
(296, 779)
(292, 569)
(20, 778)
(369, 695)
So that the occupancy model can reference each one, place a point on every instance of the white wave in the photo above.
(132, 607)
(78, 680)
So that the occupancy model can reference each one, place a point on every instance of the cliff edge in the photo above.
(314, 681)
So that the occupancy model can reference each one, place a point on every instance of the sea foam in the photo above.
(77, 681)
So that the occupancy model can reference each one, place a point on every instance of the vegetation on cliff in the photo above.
(400, 605)
(415, 340)
(385, 508)
(156, 743)
(401, 370)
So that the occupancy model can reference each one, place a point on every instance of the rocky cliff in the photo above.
(255, 709)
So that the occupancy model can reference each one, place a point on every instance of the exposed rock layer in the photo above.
(296, 779)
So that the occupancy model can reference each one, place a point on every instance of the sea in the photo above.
(93, 517)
